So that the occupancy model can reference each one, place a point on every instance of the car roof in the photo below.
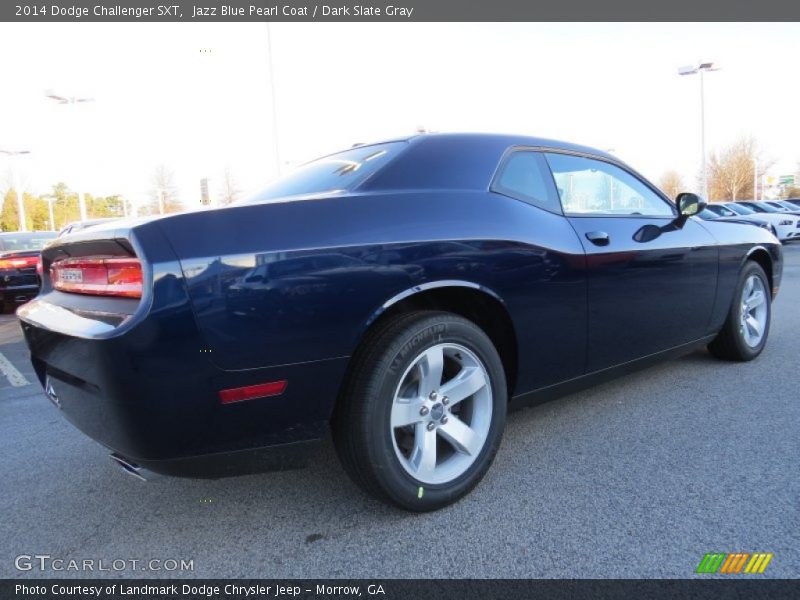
(502, 139)
(506, 139)
(465, 161)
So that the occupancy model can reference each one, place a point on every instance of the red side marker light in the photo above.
(251, 392)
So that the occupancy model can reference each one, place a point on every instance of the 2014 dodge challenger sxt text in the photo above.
(407, 293)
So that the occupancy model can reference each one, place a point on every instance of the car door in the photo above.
(651, 278)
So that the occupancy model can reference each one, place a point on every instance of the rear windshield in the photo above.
(340, 172)
(25, 241)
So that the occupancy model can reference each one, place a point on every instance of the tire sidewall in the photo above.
(391, 474)
(750, 352)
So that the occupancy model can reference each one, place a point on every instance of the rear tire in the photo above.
(421, 417)
(745, 332)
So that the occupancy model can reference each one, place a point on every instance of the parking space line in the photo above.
(15, 378)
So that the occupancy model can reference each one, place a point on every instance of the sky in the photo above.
(198, 97)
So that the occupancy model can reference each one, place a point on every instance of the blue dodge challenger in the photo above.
(405, 294)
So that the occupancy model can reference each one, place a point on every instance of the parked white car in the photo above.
(786, 225)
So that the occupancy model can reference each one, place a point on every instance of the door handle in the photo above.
(598, 238)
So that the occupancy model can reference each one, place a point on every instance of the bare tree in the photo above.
(164, 193)
(793, 191)
(671, 183)
(732, 170)
(229, 190)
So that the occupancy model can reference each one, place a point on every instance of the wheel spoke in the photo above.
(748, 287)
(754, 326)
(423, 457)
(755, 299)
(431, 366)
(405, 413)
(433, 445)
(461, 436)
(468, 381)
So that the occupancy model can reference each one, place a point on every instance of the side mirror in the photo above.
(689, 204)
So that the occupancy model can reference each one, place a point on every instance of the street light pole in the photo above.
(703, 134)
(701, 68)
(50, 211)
(276, 146)
(72, 101)
(18, 186)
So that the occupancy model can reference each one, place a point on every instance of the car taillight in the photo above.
(19, 263)
(98, 276)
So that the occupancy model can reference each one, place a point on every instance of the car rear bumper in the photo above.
(151, 394)
(18, 293)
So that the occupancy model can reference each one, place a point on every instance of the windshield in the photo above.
(25, 241)
(753, 207)
(742, 210)
(765, 207)
(721, 210)
(332, 174)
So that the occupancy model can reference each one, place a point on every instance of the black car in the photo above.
(405, 294)
(19, 255)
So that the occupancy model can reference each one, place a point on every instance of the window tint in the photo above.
(525, 176)
(335, 173)
(741, 209)
(720, 210)
(594, 187)
(761, 207)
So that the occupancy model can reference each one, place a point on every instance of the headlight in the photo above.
(785, 222)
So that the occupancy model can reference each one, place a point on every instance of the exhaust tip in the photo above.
(129, 467)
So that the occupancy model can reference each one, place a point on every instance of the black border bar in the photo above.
(198, 11)
(402, 589)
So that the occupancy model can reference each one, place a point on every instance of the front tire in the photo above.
(422, 415)
(744, 334)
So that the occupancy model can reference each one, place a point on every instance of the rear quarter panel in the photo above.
(338, 261)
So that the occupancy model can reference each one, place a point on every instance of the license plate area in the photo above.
(71, 275)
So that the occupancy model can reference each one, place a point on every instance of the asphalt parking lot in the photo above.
(636, 478)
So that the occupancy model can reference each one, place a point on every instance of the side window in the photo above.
(524, 175)
(595, 187)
